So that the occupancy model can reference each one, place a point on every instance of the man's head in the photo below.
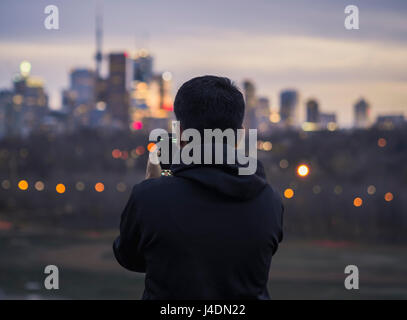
(209, 102)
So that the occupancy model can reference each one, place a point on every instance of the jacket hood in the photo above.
(224, 178)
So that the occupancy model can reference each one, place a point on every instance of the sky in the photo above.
(277, 44)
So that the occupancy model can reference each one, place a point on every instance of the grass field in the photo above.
(88, 270)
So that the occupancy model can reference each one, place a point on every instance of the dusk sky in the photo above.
(277, 44)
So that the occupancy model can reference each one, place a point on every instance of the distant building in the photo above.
(312, 107)
(79, 100)
(389, 122)
(83, 86)
(143, 67)
(249, 92)
(30, 102)
(6, 113)
(288, 108)
(150, 93)
(117, 97)
(328, 121)
(362, 111)
(262, 114)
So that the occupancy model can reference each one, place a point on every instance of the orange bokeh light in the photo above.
(288, 193)
(116, 153)
(23, 185)
(357, 202)
(99, 187)
(151, 146)
(60, 188)
(388, 196)
(381, 142)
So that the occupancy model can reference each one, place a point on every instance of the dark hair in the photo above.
(209, 102)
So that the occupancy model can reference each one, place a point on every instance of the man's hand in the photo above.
(152, 170)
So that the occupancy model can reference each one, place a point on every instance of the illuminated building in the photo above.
(79, 100)
(312, 116)
(83, 84)
(328, 121)
(30, 102)
(117, 97)
(288, 107)
(362, 110)
(150, 95)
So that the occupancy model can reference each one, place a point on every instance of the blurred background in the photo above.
(77, 105)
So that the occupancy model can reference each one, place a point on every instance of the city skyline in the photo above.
(337, 67)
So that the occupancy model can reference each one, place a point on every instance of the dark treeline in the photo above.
(343, 164)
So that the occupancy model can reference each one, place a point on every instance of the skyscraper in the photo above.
(83, 86)
(288, 107)
(143, 66)
(117, 97)
(262, 114)
(362, 110)
(99, 37)
(6, 110)
(30, 101)
(312, 111)
(249, 91)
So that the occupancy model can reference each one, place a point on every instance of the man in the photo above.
(204, 232)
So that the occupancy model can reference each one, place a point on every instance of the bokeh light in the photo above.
(338, 189)
(316, 189)
(116, 153)
(125, 155)
(283, 164)
(99, 187)
(80, 186)
(23, 185)
(382, 142)
(151, 146)
(121, 187)
(39, 186)
(388, 196)
(275, 117)
(288, 193)
(137, 125)
(371, 189)
(25, 68)
(5, 184)
(267, 146)
(357, 202)
(60, 188)
(303, 170)
(140, 150)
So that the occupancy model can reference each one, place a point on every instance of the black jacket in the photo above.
(203, 233)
